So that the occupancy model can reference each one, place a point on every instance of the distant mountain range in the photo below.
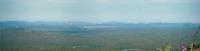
(65, 25)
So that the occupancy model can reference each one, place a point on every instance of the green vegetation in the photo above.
(108, 40)
(92, 38)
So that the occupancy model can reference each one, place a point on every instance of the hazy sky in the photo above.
(134, 11)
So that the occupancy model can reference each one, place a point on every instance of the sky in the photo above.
(132, 11)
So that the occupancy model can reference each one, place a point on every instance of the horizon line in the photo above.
(108, 22)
